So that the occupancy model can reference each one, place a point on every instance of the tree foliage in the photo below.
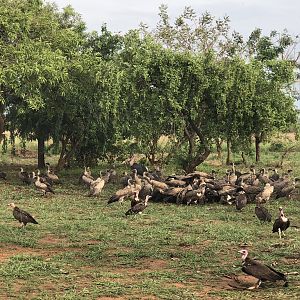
(194, 81)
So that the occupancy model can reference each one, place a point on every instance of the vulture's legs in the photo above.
(255, 286)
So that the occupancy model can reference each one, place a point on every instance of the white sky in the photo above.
(120, 16)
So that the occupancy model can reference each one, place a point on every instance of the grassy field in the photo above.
(84, 249)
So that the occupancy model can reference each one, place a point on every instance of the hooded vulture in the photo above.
(22, 216)
(138, 208)
(260, 271)
(281, 224)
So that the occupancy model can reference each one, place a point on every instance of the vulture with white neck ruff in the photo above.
(260, 271)
(281, 224)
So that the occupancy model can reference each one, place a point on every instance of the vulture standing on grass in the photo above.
(260, 271)
(43, 178)
(241, 199)
(24, 176)
(96, 186)
(86, 177)
(138, 208)
(22, 216)
(43, 186)
(265, 195)
(52, 176)
(286, 191)
(281, 224)
(129, 191)
(262, 213)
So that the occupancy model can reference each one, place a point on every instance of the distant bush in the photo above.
(276, 147)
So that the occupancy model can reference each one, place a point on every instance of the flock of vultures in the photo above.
(198, 188)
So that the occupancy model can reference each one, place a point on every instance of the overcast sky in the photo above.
(122, 15)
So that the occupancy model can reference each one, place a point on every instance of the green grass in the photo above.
(84, 249)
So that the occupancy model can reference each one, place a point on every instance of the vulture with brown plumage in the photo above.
(241, 199)
(262, 213)
(129, 191)
(24, 176)
(22, 216)
(260, 271)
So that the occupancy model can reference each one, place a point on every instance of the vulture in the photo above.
(2, 175)
(22, 216)
(260, 271)
(264, 176)
(43, 178)
(124, 179)
(126, 192)
(138, 208)
(146, 189)
(262, 213)
(275, 176)
(86, 177)
(281, 224)
(24, 176)
(265, 195)
(136, 199)
(140, 168)
(136, 178)
(113, 176)
(241, 199)
(161, 186)
(43, 186)
(51, 176)
(176, 182)
(96, 186)
(106, 176)
(286, 191)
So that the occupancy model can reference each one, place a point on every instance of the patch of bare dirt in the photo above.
(154, 264)
(13, 250)
(207, 290)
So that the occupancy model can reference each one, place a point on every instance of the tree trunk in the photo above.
(153, 150)
(219, 143)
(13, 143)
(257, 148)
(193, 163)
(2, 122)
(41, 152)
(228, 158)
(65, 155)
